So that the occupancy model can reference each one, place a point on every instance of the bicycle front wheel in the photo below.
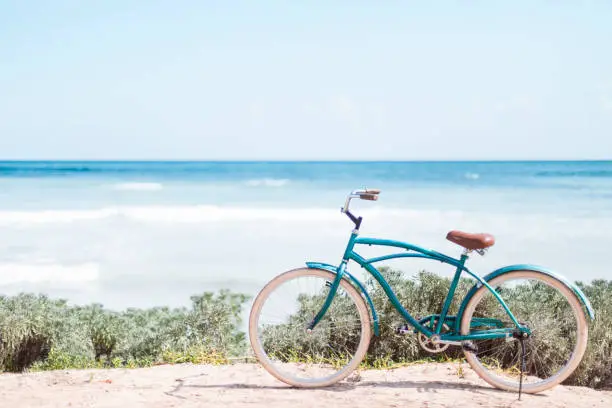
(549, 309)
(278, 328)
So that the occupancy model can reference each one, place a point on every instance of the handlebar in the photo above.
(367, 194)
(371, 197)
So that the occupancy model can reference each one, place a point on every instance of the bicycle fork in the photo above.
(330, 297)
(339, 275)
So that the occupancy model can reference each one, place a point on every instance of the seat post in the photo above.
(466, 252)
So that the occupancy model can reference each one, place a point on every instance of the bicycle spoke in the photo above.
(553, 332)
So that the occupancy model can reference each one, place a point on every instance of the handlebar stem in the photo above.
(356, 194)
(353, 194)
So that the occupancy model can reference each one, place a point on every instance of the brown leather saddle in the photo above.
(469, 241)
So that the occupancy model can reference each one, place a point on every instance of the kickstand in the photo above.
(522, 367)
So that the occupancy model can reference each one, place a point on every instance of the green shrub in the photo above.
(42, 334)
(104, 329)
(39, 333)
(29, 327)
(596, 367)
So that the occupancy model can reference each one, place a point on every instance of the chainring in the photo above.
(431, 344)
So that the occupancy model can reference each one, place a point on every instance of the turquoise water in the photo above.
(89, 184)
(147, 233)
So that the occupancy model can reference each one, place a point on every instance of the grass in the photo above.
(39, 333)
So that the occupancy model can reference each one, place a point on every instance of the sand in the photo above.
(248, 385)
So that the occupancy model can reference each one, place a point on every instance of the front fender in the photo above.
(511, 268)
(334, 269)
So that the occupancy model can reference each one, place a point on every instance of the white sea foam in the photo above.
(11, 273)
(138, 186)
(267, 182)
(472, 176)
(199, 213)
(53, 216)
(155, 255)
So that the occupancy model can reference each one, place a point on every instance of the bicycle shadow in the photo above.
(431, 387)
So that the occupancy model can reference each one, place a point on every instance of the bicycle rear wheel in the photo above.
(278, 329)
(558, 327)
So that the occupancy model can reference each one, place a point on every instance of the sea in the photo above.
(144, 234)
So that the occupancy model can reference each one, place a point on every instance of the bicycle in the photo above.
(505, 351)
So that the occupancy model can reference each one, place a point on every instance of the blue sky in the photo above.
(305, 79)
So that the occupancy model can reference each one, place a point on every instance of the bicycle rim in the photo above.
(553, 314)
(278, 329)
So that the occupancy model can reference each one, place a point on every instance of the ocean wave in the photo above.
(193, 214)
(267, 182)
(575, 173)
(138, 186)
(54, 216)
(472, 176)
(160, 214)
(11, 273)
(40, 168)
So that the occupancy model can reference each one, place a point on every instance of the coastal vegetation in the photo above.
(40, 333)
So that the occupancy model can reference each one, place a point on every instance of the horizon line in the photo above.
(243, 160)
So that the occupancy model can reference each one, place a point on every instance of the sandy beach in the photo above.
(248, 385)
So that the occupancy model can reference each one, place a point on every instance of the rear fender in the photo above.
(358, 285)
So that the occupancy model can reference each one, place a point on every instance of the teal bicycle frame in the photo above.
(413, 251)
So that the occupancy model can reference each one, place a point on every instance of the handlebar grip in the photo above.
(371, 197)
(372, 191)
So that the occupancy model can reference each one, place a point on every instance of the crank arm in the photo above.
(452, 343)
